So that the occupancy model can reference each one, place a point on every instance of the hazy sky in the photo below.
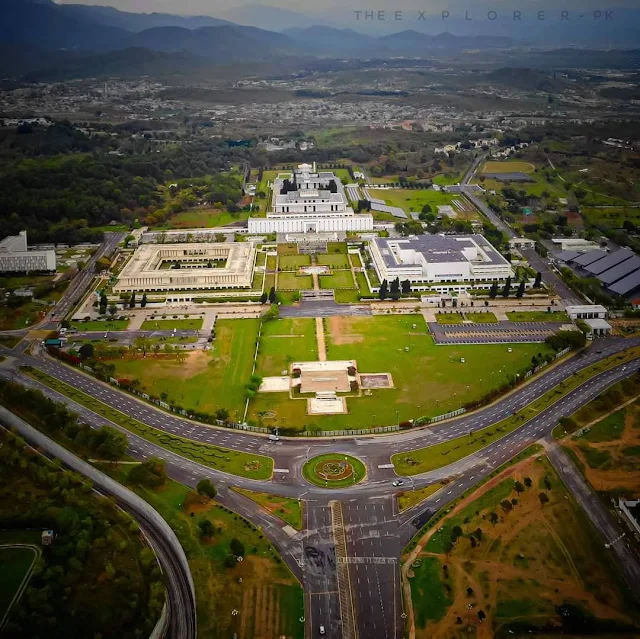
(219, 7)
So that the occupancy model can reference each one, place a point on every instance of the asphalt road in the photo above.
(550, 278)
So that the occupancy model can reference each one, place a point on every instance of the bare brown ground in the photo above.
(530, 528)
(616, 477)
(341, 331)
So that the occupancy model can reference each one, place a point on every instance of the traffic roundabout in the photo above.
(334, 470)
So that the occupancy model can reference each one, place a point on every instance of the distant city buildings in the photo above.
(15, 256)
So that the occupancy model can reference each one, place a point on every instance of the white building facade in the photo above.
(15, 256)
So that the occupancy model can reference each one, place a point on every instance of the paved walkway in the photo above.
(322, 348)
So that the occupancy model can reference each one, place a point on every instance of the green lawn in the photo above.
(223, 459)
(510, 166)
(203, 218)
(412, 199)
(284, 341)
(430, 600)
(346, 296)
(607, 430)
(449, 318)
(169, 324)
(429, 458)
(15, 562)
(335, 261)
(286, 508)
(339, 279)
(538, 316)
(428, 380)
(481, 318)
(207, 380)
(310, 470)
(293, 262)
(99, 326)
(292, 282)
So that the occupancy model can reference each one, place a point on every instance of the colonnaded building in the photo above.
(456, 261)
(15, 256)
(188, 267)
(307, 201)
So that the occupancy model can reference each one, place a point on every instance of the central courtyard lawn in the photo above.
(293, 262)
(169, 324)
(481, 318)
(538, 316)
(292, 282)
(429, 380)
(339, 279)
(412, 199)
(206, 381)
(337, 260)
(449, 318)
(284, 341)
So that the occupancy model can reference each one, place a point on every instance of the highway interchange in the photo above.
(376, 533)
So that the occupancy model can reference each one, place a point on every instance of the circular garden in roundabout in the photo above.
(334, 470)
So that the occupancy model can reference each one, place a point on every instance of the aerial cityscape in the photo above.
(319, 321)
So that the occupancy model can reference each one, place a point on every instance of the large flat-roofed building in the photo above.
(439, 259)
(309, 201)
(15, 256)
(188, 267)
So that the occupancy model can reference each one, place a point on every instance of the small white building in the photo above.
(15, 256)
(522, 243)
(587, 311)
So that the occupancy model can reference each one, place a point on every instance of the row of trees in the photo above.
(396, 290)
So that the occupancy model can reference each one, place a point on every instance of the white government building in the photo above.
(15, 256)
(312, 207)
(459, 260)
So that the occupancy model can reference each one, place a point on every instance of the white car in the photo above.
(398, 482)
(322, 630)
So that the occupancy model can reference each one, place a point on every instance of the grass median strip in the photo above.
(411, 498)
(423, 460)
(223, 459)
(285, 508)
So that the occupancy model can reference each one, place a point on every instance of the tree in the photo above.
(86, 351)
(406, 287)
(206, 528)
(469, 592)
(544, 499)
(236, 547)
(384, 290)
(507, 288)
(518, 487)
(132, 301)
(493, 291)
(103, 303)
(109, 443)
(520, 291)
(150, 473)
(426, 209)
(264, 297)
(528, 482)
(206, 488)
(493, 518)
(272, 295)
(538, 281)
(112, 309)
(395, 288)
(143, 303)
(506, 505)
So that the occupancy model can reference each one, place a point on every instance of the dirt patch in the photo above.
(341, 331)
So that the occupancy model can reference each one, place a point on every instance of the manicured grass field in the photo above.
(346, 296)
(538, 316)
(410, 498)
(481, 318)
(510, 166)
(339, 279)
(425, 459)
(449, 318)
(270, 598)
(284, 341)
(15, 563)
(203, 218)
(292, 282)
(335, 260)
(99, 326)
(293, 262)
(411, 199)
(223, 459)
(430, 599)
(170, 324)
(206, 381)
(286, 508)
(425, 376)
(312, 470)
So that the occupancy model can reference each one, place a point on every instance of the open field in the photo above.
(412, 199)
(432, 457)
(510, 166)
(284, 341)
(292, 282)
(205, 217)
(224, 459)
(516, 549)
(428, 380)
(269, 597)
(99, 326)
(15, 563)
(337, 280)
(286, 508)
(169, 324)
(206, 380)
(538, 316)
(449, 318)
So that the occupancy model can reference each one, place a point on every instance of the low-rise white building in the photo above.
(442, 259)
(15, 256)
(587, 311)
